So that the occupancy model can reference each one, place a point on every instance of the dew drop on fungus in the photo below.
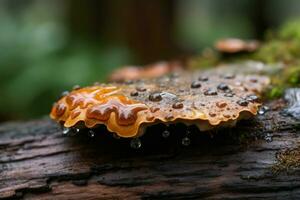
(223, 86)
(134, 93)
(169, 117)
(186, 141)
(177, 105)
(155, 96)
(154, 109)
(141, 89)
(66, 131)
(116, 136)
(166, 133)
(135, 143)
(253, 80)
(242, 102)
(228, 95)
(91, 133)
(210, 92)
(226, 115)
(212, 114)
(266, 108)
(196, 84)
(229, 76)
(76, 87)
(221, 104)
(64, 93)
(252, 98)
(263, 110)
(203, 78)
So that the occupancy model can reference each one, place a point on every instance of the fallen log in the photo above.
(38, 162)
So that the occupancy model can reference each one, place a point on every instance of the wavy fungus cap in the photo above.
(205, 99)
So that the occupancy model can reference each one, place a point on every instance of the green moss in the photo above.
(206, 59)
(278, 51)
(282, 46)
(293, 75)
(287, 160)
(275, 92)
(290, 30)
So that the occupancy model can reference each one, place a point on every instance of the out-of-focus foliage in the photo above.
(38, 60)
(46, 45)
(283, 47)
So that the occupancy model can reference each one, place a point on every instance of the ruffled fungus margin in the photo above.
(205, 99)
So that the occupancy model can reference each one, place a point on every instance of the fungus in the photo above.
(234, 45)
(127, 109)
(148, 71)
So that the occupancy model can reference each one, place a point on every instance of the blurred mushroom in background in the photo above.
(148, 71)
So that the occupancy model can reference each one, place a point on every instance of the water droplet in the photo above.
(168, 95)
(76, 130)
(242, 102)
(226, 115)
(253, 80)
(64, 93)
(91, 133)
(210, 92)
(155, 96)
(66, 131)
(166, 133)
(116, 136)
(169, 116)
(195, 84)
(228, 95)
(223, 86)
(266, 108)
(154, 109)
(212, 114)
(261, 111)
(135, 143)
(221, 104)
(203, 78)
(252, 98)
(134, 93)
(177, 105)
(186, 141)
(76, 87)
(269, 137)
(141, 89)
(229, 76)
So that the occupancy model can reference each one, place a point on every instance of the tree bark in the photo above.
(38, 162)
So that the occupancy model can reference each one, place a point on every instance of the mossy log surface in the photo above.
(38, 162)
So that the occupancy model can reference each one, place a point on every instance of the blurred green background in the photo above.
(47, 46)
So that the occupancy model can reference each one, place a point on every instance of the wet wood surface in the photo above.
(38, 162)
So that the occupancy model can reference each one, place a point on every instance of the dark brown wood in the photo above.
(38, 162)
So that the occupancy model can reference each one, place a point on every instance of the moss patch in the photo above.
(287, 161)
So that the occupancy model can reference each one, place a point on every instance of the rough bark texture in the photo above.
(38, 162)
